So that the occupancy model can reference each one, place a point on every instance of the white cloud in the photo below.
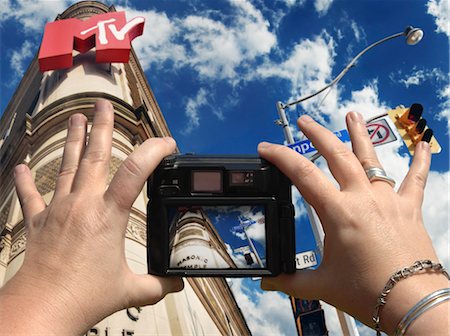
(156, 45)
(360, 34)
(191, 111)
(436, 209)
(322, 6)
(444, 95)
(267, 313)
(29, 13)
(19, 58)
(292, 3)
(308, 68)
(440, 10)
(417, 77)
(202, 42)
(214, 50)
(364, 101)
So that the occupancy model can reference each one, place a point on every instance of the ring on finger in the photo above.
(378, 174)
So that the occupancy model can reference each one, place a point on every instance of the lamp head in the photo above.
(413, 35)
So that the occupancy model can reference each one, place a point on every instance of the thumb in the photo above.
(303, 284)
(145, 289)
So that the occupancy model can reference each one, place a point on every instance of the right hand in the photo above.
(371, 231)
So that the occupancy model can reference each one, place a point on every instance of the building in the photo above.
(195, 243)
(33, 130)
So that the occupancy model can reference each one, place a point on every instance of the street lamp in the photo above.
(413, 36)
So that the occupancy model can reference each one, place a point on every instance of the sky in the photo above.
(217, 69)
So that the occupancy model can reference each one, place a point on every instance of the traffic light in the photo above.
(413, 128)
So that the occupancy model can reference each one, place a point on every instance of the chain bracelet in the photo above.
(396, 277)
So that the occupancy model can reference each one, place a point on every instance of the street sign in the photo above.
(243, 250)
(306, 146)
(305, 259)
(380, 133)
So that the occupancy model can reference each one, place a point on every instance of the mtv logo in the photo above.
(109, 33)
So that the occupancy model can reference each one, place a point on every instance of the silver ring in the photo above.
(378, 174)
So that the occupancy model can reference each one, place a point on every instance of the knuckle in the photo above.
(68, 170)
(341, 152)
(369, 162)
(132, 167)
(306, 168)
(419, 180)
(30, 198)
(95, 156)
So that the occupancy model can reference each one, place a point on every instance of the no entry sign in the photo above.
(380, 133)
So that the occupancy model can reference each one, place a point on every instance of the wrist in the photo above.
(44, 308)
(405, 295)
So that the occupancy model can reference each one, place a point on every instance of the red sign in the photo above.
(109, 33)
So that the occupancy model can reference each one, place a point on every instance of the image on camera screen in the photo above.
(217, 237)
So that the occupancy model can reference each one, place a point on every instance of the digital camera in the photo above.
(226, 216)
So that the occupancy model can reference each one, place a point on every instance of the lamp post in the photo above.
(413, 36)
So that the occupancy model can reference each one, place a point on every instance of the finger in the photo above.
(304, 284)
(309, 180)
(343, 164)
(94, 166)
(73, 151)
(148, 289)
(135, 170)
(362, 145)
(414, 183)
(29, 197)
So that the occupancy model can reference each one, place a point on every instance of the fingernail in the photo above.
(103, 104)
(263, 145)
(19, 169)
(357, 117)
(305, 119)
(425, 146)
(169, 140)
(76, 120)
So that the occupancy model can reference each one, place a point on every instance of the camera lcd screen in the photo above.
(217, 237)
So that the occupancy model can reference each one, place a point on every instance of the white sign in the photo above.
(243, 250)
(305, 259)
(380, 133)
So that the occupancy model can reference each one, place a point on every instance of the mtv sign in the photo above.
(109, 33)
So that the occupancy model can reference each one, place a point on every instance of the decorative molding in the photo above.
(5, 247)
(137, 231)
(18, 246)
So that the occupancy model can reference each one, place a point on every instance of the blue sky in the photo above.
(217, 69)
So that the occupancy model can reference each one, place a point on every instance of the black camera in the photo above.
(219, 216)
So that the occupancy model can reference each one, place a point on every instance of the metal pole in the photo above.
(252, 247)
(342, 73)
(284, 123)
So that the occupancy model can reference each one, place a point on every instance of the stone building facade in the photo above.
(33, 131)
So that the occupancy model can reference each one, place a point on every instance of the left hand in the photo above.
(75, 271)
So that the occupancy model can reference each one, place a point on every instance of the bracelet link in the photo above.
(425, 304)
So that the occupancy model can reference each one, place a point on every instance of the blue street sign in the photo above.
(306, 146)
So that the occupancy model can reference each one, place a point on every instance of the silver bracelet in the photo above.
(421, 307)
(396, 277)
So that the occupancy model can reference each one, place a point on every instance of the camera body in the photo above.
(211, 215)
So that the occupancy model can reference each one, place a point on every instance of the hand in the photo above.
(371, 231)
(75, 272)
